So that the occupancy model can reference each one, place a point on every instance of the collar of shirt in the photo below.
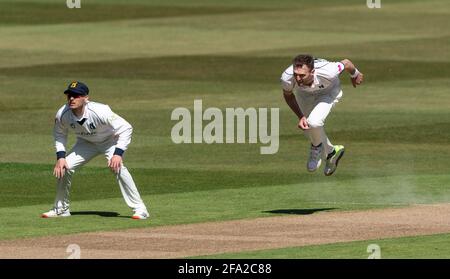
(316, 81)
(85, 113)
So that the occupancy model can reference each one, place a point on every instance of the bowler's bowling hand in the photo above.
(303, 123)
(357, 80)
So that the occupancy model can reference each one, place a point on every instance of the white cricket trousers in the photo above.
(316, 108)
(82, 152)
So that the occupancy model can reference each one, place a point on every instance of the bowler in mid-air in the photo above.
(311, 87)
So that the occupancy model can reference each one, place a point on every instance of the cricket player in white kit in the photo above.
(98, 131)
(311, 87)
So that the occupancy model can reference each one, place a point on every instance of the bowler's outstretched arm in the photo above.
(356, 76)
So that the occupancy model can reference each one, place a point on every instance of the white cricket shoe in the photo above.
(140, 215)
(55, 212)
(315, 159)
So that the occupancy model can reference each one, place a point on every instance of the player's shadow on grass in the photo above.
(99, 213)
(299, 211)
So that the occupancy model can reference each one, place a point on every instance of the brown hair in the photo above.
(303, 59)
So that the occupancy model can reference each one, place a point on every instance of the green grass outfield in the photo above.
(146, 58)
(420, 247)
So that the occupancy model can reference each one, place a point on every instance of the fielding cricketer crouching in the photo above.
(311, 87)
(99, 131)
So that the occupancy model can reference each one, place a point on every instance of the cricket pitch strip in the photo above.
(210, 238)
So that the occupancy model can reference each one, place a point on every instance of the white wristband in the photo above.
(355, 74)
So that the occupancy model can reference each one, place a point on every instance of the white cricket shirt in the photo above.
(97, 125)
(326, 79)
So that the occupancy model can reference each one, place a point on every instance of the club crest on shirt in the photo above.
(72, 125)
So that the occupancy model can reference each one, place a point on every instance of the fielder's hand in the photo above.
(60, 168)
(115, 163)
(303, 123)
(357, 80)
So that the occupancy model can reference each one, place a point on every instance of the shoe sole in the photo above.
(138, 218)
(337, 162)
(46, 216)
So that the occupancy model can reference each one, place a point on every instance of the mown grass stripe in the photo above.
(226, 68)
(31, 13)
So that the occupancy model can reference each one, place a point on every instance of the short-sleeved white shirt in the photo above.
(326, 79)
